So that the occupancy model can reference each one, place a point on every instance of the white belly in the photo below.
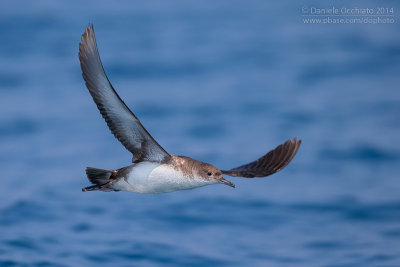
(148, 177)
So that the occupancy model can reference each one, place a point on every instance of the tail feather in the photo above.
(99, 177)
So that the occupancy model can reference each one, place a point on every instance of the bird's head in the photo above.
(212, 173)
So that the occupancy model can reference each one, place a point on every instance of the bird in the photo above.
(153, 169)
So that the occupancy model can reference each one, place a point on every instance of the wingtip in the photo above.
(88, 45)
(89, 30)
(296, 141)
(89, 27)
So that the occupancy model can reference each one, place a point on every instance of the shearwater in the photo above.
(154, 170)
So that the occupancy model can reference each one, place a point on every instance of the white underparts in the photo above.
(148, 177)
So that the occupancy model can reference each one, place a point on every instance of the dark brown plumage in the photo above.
(125, 126)
(270, 163)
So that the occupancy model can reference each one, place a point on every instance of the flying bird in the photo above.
(154, 170)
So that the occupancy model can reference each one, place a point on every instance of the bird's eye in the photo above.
(209, 174)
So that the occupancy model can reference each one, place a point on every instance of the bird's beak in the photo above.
(223, 181)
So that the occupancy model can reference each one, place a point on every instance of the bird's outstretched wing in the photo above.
(125, 126)
(270, 163)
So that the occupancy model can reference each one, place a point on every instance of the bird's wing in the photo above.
(125, 126)
(270, 163)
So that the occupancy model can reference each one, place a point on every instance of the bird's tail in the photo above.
(99, 177)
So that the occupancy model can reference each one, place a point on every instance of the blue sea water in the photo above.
(223, 82)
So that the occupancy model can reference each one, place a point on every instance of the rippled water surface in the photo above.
(222, 82)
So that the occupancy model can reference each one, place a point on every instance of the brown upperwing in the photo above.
(270, 163)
